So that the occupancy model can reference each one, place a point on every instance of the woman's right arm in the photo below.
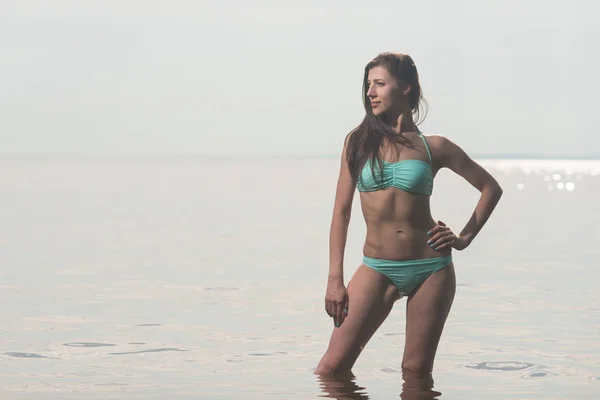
(336, 298)
(341, 219)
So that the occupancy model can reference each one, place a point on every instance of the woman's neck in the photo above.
(401, 122)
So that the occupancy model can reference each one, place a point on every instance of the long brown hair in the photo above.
(364, 142)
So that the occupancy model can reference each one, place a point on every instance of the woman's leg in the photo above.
(426, 312)
(371, 296)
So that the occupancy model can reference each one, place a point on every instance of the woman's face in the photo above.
(384, 93)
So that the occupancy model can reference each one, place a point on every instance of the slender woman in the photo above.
(406, 252)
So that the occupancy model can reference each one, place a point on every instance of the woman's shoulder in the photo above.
(437, 142)
(443, 149)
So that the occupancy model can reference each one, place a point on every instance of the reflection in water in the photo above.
(418, 386)
(344, 387)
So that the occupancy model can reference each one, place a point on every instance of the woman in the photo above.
(406, 253)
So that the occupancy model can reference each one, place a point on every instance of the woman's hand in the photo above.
(441, 237)
(336, 301)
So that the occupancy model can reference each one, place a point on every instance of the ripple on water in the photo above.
(266, 353)
(146, 351)
(24, 355)
(149, 325)
(88, 344)
(501, 365)
(111, 384)
(538, 374)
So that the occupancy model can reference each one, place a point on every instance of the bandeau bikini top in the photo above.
(413, 176)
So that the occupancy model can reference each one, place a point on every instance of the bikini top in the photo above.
(413, 176)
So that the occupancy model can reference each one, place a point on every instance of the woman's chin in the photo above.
(377, 112)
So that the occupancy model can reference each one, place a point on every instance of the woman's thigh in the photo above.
(371, 296)
(426, 312)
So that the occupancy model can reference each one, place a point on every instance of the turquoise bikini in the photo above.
(407, 275)
(412, 176)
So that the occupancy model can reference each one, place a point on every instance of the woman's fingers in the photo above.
(338, 310)
(443, 238)
(447, 238)
(441, 232)
(339, 314)
(439, 227)
(440, 236)
(447, 243)
(435, 230)
(336, 302)
(328, 308)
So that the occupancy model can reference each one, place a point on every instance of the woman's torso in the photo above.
(397, 209)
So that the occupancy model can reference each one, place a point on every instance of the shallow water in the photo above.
(127, 279)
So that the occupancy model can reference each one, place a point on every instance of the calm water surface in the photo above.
(204, 279)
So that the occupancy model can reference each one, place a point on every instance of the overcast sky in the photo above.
(267, 77)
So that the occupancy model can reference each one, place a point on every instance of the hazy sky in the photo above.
(284, 77)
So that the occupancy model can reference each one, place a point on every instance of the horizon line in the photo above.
(73, 155)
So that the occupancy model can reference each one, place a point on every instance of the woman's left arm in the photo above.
(451, 156)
